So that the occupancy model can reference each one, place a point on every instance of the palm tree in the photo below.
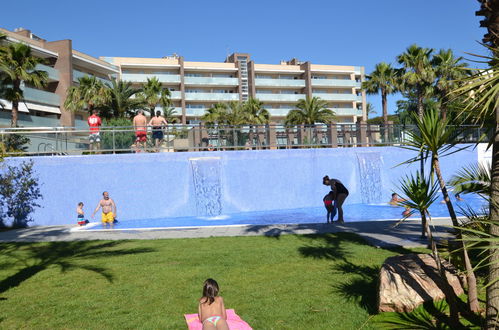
(18, 67)
(170, 115)
(474, 178)
(370, 110)
(383, 79)
(153, 93)
(437, 139)
(482, 91)
(90, 94)
(215, 114)
(308, 112)
(448, 70)
(420, 194)
(416, 74)
(121, 102)
(256, 114)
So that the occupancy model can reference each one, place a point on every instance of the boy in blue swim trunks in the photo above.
(81, 215)
(330, 206)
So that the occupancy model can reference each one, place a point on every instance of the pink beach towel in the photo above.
(233, 320)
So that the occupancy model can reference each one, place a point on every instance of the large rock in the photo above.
(408, 280)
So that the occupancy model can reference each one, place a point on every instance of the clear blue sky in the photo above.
(362, 32)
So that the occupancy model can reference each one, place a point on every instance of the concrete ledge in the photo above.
(376, 233)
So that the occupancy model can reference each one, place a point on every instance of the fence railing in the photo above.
(73, 141)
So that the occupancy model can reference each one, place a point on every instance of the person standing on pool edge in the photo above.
(341, 194)
(108, 210)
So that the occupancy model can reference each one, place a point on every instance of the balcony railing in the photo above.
(78, 74)
(142, 77)
(175, 95)
(197, 112)
(279, 97)
(52, 73)
(74, 141)
(336, 97)
(209, 81)
(347, 111)
(335, 83)
(212, 96)
(39, 96)
(261, 82)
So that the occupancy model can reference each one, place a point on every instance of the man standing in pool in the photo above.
(341, 194)
(108, 210)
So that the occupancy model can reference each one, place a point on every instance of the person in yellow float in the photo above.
(108, 210)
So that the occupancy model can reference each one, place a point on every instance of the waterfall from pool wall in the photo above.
(370, 165)
(207, 185)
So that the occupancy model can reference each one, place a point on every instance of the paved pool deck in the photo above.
(376, 233)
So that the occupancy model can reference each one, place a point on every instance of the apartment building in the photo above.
(196, 86)
(64, 65)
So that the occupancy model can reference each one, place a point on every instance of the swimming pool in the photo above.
(353, 213)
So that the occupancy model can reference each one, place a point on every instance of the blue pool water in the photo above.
(352, 213)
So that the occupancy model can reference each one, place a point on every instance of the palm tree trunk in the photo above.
(493, 289)
(385, 113)
(443, 105)
(470, 274)
(15, 112)
(420, 115)
(16, 86)
(450, 295)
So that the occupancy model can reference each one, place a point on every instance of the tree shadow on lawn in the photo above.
(361, 288)
(34, 258)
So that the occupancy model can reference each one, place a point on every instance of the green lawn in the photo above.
(287, 282)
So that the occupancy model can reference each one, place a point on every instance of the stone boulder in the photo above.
(409, 280)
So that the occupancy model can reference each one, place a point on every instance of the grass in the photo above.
(287, 282)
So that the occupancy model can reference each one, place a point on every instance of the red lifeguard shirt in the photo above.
(94, 122)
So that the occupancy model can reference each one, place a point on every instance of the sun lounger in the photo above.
(233, 320)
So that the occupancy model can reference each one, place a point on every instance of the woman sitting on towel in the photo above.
(211, 308)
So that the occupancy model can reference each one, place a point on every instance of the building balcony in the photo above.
(283, 112)
(260, 82)
(337, 97)
(347, 111)
(211, 96)
(335, 83)
(177, 112)
(195, 112)
(52, 73)
(78, 74)
(142, 77)
(26, 120)
(175, 95)
(39, 96)
(279, 97)
(209, 81)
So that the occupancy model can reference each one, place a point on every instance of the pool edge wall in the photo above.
(157, 185)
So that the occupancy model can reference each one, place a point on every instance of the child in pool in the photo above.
(211, 309)
(80, 215)
(396, 200)
(330, 206)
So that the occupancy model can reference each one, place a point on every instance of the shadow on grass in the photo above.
(363, 287)
(277, 230)
(34, 258)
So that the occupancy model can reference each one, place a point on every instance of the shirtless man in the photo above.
(108, 210)
(139, 124)
(158, 123)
